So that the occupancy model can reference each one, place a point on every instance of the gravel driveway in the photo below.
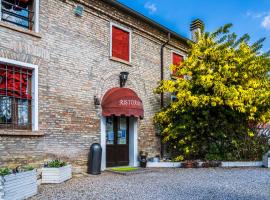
(169, 184)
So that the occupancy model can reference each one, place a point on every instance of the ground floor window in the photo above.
(15, 97)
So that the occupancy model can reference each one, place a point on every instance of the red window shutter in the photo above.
(15, 82)
(120, 43)
(177, 60)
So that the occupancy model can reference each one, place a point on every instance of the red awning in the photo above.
(122, 101)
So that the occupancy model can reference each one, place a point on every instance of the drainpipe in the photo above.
(162, 67)
(161, 79)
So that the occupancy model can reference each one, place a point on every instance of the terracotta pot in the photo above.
(190, 164)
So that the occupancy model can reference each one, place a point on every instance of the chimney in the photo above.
(196, 26)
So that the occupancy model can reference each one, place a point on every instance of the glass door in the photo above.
(117, 141)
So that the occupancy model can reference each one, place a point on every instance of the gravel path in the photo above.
(168, 184)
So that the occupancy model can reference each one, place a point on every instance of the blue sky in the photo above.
(247, 16)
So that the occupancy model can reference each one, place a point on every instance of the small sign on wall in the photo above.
(79, 10)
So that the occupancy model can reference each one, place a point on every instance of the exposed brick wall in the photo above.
(74, 66)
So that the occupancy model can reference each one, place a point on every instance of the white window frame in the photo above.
(34, 86)
(130, 41)
(36, 15)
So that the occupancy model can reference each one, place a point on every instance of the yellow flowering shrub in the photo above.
(226, 92)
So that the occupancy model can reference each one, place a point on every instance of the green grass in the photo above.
(124, 169)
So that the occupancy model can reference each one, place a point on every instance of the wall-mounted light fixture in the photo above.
(123, 78)
(96, 101)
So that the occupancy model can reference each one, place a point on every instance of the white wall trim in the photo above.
(103, 141)
(133, 142)
(124, 29)
(34, 87)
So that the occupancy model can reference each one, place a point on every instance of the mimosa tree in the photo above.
(220, 103)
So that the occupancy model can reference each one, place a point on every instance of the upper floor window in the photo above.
(120, 43)
(15, 97)
(21, 13)
(176, 60)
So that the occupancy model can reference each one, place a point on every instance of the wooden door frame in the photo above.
(133, 142)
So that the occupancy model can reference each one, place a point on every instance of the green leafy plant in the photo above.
(221, 102)
(28, 168)
(56, 164)
(5, 171)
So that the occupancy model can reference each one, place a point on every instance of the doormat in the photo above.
(126, 171)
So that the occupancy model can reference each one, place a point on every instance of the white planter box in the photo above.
(56, 175)
(18, 186)
(242, 164)
(266, 161)
(164, 164)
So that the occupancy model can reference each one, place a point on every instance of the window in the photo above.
(15, 97)
(173, 97)
(176, 59)
(120, 43)
(23, 13)
(18, 95)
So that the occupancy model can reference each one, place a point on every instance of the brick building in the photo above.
(58, 59)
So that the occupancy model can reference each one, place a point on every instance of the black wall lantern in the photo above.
(123, 78)
(96, 101)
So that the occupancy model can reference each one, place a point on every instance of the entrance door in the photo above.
(117, 141)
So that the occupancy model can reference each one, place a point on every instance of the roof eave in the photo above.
(146, 19)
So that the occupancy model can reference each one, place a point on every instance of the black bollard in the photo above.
(94, 159)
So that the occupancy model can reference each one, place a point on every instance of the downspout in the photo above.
(162, 67)
(161, 79)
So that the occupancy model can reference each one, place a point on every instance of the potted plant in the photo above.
(143, 159)
(190, 164)
(266, 160)
(20, 183)
(56, 171)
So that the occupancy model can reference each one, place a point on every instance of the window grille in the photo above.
(15, 97)
(18, 12)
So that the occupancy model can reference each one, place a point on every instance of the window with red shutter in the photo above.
(15, 97)
(120, 44)
(177, 59)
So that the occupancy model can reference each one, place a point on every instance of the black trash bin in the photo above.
(94, 159)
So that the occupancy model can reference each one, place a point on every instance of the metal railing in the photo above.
(15, 14)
